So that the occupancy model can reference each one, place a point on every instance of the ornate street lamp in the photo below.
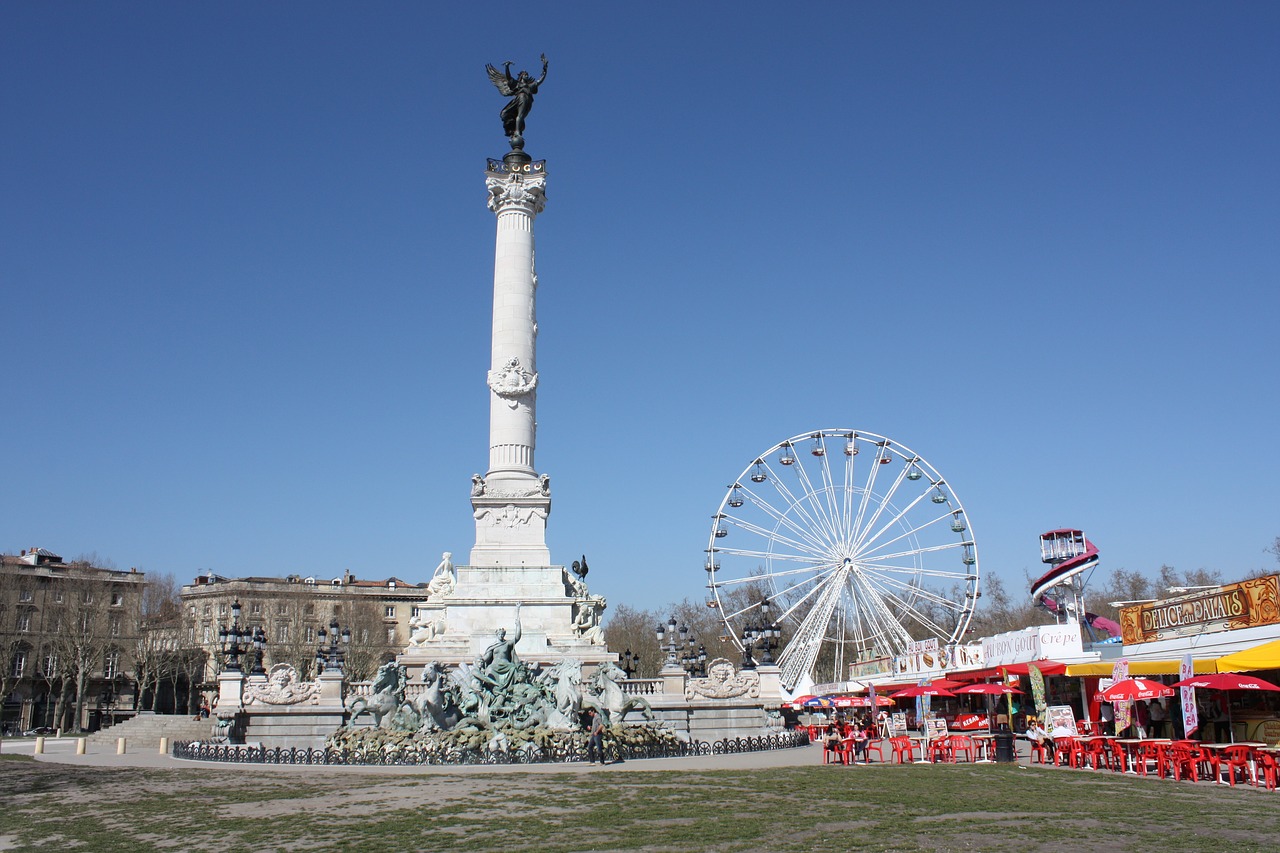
(630, 663)
(667, 633)
(259, 640)
(234, 639)
(332, 657)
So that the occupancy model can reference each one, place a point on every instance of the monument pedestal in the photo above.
(463, 623)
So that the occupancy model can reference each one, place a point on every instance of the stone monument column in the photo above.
(511, 502)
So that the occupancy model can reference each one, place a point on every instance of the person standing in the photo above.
(1141, 718)
(1157, 715)
(595, 737)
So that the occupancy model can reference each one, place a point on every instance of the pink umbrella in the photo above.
(987, 690)
(1132, 689)
(1226, 681)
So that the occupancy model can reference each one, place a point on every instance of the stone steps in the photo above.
(145, 730)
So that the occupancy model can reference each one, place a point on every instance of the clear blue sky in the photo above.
(247, 266)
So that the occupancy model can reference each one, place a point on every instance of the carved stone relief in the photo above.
(722, 682)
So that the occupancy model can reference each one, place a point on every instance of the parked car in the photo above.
(38, 731)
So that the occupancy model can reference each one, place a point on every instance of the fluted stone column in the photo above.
(512, 501)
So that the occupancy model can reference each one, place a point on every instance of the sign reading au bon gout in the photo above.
(1247, 604)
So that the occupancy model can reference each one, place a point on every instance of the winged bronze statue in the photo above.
(520, 89)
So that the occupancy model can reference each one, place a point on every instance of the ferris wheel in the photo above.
(856, 540)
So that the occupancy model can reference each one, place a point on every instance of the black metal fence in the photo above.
(431, 754)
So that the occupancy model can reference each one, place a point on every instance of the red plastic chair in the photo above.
(959, 744)
(1067, 751)
(1038, 751)
(1231, 759)
(904, 749)
(940, 749)
(837, 753)
(1184, 761)
(1094, 754)
(875, 746)
(1268, 768)
(1118, 759)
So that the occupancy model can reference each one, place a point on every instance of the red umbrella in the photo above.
(921, 690)
(1226, 681)
(987, 689)
(1132, 689)
(946, 683)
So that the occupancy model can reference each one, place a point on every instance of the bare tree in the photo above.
(370, 646)
(83, 639)
(11, 644)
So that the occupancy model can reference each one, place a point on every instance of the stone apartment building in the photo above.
(291, 611)
(68, 634)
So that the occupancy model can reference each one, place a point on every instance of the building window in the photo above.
(88, 596)
(192, 611)
(208, 609)
(117, 599)
(282, 633)
(57, 624)
(19, 664)
(311, 634)
(206, 633)
(282, 609)
(111, 664)
(391, 636)
(390, 611)
(50, 662)
(115, 626)
(25, 595)
(24, 621)
(57, 596)
(310, 609)
(222, 609)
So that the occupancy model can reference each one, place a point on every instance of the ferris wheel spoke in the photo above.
(777, 556)
(873, 475)
(914, 552)
(808, 573)
(823, 511)
(805, 505)
(782, 518)
(904, 529)
(877, 610)
(912, 571)
(807, 641)
(895, 519)
(791, 606)
(803, 545)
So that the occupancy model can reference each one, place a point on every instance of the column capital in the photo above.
(516, 190)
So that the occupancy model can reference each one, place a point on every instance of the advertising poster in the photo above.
(1037, 689)
(1061, 715)
(1123, 710)
(1190, 714)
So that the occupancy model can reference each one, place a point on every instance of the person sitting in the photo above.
(1039, 738)
(833, 743)
(861, 737)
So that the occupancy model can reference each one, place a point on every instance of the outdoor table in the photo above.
(1161, 744)
(984, 743)
(1130, 747)
(1253, 765)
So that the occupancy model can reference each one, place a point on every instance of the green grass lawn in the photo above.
(915, 807)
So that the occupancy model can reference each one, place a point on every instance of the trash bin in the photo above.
(1004, 747)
